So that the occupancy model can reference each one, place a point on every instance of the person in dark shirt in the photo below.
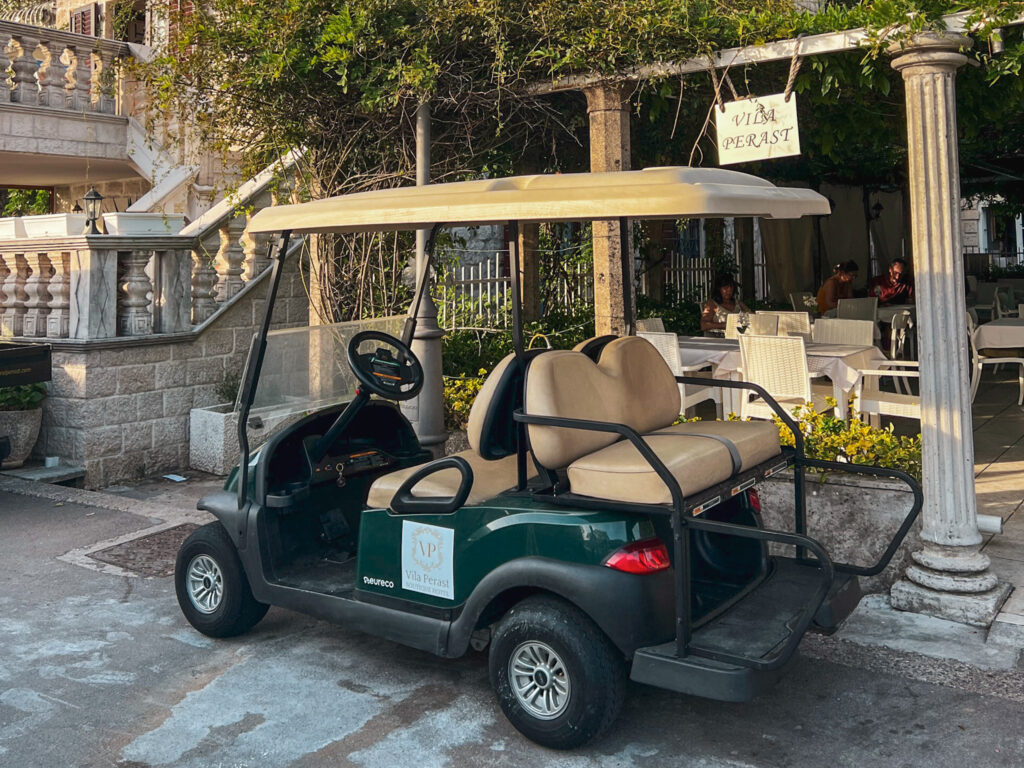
(894, 287)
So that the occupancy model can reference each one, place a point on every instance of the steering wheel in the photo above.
(395, 375)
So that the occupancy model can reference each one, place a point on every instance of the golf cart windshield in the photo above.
(305, 369)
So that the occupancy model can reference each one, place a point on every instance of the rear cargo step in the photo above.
(756, 628)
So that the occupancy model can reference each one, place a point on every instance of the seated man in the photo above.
(894, 287)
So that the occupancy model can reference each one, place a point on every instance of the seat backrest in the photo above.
(631, 385)
(732, 324)
(1003, 300)
(790, 322)
(829, 330)
(986, 293)
(652, 324)
(667, 345)
(857, 309)
(802, 301)
(777, 363)
(491, 430)
(764, 325)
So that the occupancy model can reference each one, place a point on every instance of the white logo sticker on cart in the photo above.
(427, 559)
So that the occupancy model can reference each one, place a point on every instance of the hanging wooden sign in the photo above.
(758, 128)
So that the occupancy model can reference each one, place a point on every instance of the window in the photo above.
(83, 20)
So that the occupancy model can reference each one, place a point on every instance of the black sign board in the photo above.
(23, 363)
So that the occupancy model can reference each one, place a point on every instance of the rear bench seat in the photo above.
(632, 385)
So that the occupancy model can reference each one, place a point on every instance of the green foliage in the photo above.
(459, 394)
(24, 202)
(832, 439)
(681, 315)
(25, 397)
(227, 390)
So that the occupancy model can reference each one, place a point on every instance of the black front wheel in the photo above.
(211, 586)
(558, 678)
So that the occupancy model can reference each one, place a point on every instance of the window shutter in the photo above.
(83, 20)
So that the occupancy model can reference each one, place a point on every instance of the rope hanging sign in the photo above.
(758, 127)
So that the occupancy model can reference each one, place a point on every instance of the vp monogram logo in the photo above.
(427, 551)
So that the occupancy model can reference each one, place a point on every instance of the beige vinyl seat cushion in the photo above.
(631, 384)
(689, 451)
(491, 434)
(489, 479)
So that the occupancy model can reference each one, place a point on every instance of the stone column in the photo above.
(950, 577)
(57, 322)
(51, 76)
(79, 77)
(134, 317)
(12, 321)
(37, 302)
(93, 310)
(5, 64)
(232, 257)
(608, 108)
(5, 272)
(204, 280)
(172, 306)
(426, 410)
(26, 89)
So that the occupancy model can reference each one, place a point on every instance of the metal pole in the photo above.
(426, 411)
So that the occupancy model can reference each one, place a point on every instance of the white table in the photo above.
(841, 363)
(885, 314)
(1005, 333)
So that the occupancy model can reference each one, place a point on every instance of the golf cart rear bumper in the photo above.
(659, 666)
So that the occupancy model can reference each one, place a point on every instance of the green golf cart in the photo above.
(583, 539)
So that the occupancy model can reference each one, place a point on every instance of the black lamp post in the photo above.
(93, 200)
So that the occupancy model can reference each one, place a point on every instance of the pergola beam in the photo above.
(812, 45)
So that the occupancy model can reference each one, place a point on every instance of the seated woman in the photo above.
(723, 302)
(839, 286)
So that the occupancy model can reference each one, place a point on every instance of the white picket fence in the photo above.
(481, 292)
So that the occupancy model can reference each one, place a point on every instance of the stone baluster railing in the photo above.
(59, 70)
(231, 257)
(98, 287)
(204, 278)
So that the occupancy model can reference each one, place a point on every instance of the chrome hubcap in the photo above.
(205, 583)
(539, 680)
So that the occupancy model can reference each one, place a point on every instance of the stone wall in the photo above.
(117, 195)
(121, 409)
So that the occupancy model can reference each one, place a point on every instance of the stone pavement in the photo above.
(99, 668)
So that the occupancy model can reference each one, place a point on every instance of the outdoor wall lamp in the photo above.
(77, 208)
(93, 200)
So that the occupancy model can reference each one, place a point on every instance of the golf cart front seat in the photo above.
(631, 384)
(493, 443)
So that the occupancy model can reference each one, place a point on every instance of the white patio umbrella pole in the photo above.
(950, 577)
(426, 410)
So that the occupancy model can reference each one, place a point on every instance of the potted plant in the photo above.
(21, 414)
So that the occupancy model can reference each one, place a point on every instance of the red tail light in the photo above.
(647, 556)
(755, 500)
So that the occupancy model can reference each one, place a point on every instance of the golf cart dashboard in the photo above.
(378, 437)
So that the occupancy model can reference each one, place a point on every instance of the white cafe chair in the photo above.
(978, 362)
(667, 345)
(650, 324)
(835, 331)
(802, 301)
(779, 364)
(872, 401)
(791, 323)
(858, 309)
(1005, 304)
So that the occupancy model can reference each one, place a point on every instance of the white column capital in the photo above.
(933, 51)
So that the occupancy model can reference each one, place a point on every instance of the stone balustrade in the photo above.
(108, 286)
(41, 67)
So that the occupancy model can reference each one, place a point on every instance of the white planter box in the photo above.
(213, 435)
(11, 227)
(54, 225)
(853, 516)
(143, 223)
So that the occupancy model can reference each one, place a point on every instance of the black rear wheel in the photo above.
(211, 586)
(558, 678)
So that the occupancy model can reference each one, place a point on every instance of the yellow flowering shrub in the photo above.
(459, 394)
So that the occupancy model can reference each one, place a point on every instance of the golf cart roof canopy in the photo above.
(653, 193)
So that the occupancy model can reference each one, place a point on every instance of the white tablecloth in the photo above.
(841, 363)
(1001, 334)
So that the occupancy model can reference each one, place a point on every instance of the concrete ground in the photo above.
(99, 668)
